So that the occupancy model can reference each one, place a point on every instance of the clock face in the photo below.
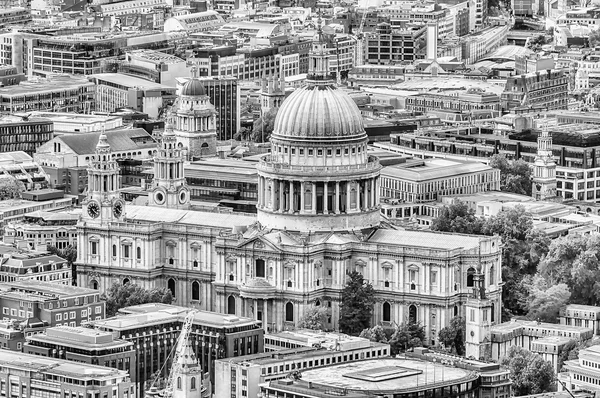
(118, 209)
(93, 209)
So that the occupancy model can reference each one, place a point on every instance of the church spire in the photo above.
(544, 166)
(318, 67)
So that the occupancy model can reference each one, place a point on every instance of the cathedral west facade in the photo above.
(318, 220)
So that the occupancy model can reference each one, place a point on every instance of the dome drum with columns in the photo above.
(319, 176)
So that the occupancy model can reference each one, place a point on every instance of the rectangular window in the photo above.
(72, 315)
(58, 317)
(94, 248)
(98, 310)
(472, 316)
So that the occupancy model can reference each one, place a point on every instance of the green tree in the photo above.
(594, 38)
(515, 175)
(314, 318)
(529, 372)
(406, 336)
(243, 134)
(376, 333)
(120, 296)
(358, 298)
(11, 188)
(457, 217)
(69, 253)
(453, 336)
(544, 301)
(263, 126)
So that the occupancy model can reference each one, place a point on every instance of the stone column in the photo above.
(255, 314)
(325, 197)
(314, 199)
(264, 315)
(281, 196)
(336, 202)
(291, 207)
(348, 192)
(260, 195)
(302, 197)
(273, 195)
(365, 194)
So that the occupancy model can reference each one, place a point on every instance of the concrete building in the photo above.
(582, 373)
(48, 304)
(547, 90)
(33, 376)
(85, 346)
(196, 22)
(420, 181)
(74, 123)
(155, 66)
(262, 368)
(462, 103)
(42, 228)
(58, 93)
(403, 379)
(15, 210)
(532, 63)
(21, 265)
(117, 90)
(477, 45)
(586, 316)
(392, 45)
(21, 167)
(153, 329)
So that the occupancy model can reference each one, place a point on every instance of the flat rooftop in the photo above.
(65, 117)
(433, 169)
(156, 57)
(124, 80)
(187, 217)
(582, 307)
(36, 363)
(79, 337)
(46, 289)
(516, 324)
(59, 83)
(156, 314)
(410, 374)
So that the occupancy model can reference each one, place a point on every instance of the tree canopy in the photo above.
(406, 336)
(457, 217)
(263, 126)
(314, 318)
(11, 188)
(69, 253)
(453, 336)
(358, 298)
(529, 372)
(120, 296)
(544, 301)
(377, 334)
(515, 175)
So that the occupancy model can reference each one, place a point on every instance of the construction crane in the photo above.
(176, 354)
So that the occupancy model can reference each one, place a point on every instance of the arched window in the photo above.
(171, 286)
(231, 305)
(179, 383)
(470, 281)
(260, 268)
(94, 285)
(125, 281)
(193, 383)
(456, 310)
(412, 314)
(195, 291)
(387, 312)
(492, 280)
(114, 250)
(289, 312)
(138, 253)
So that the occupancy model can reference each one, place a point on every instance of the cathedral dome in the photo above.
(193, 87)
(319, 112)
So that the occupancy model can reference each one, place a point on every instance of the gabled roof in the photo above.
(119, 140)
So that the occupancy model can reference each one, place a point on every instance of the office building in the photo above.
(58, 93)
(155, 66)
(545, 90)
(85, 346)
(420, 181)
(21, 167)
(582, 374)
(196, 22)
(117, 90)
(153, 329)
(472, 100)
(24, 133)
(42, 228)
(587, 316)
(394, 45)
(242, 376)
(21, 264)
(74, 123)
(27, 375)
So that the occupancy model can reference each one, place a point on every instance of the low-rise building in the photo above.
(20, 166)
(22, 265)
(298, 351)
(74, 123)
(117, 90)
(419, 181)
(85, 346)
(464, 102)
(156, 66)
(153, 327)
(196, 22)
(42, 228)
(15, 210)
(587, 316)
(27, 375)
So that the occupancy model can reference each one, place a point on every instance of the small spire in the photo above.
(103, 140)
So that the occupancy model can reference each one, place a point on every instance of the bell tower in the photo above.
(479, 319)
(544, 168)
(169, 188)
(103, 203)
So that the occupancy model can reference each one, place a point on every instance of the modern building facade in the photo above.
(393, 45)
(547, 90)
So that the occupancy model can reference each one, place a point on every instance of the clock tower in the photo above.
(544, 168)
(169, 188)
(103, 203)
(479, 312)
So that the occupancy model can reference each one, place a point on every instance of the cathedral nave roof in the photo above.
(425, 239)
(188, 217)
